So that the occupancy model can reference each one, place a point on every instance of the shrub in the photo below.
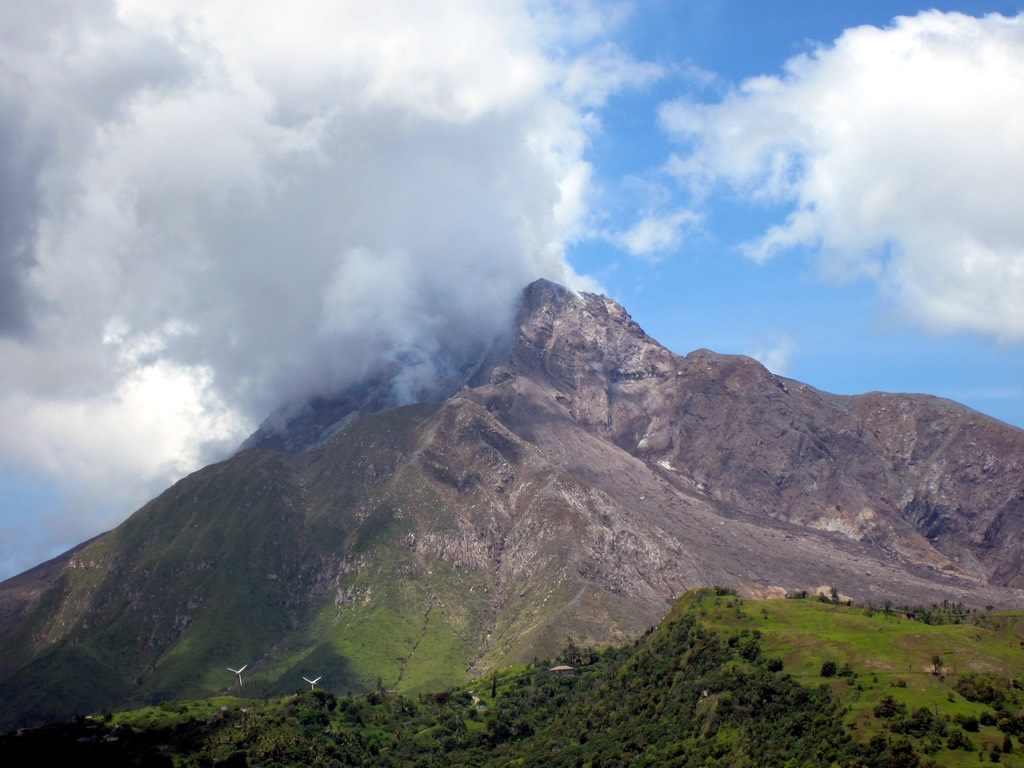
(1009, 724)
(968, 723)
(958, 740)
(984, 689)
(889, 708)
(829, 669)
(920, 724)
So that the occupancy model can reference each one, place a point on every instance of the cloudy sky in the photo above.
(211, 208)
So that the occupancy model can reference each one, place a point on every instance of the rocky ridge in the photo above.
(572, 479)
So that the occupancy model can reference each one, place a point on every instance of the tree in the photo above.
(890, 708)
(829, 669)
(958, 740)
(571, 653)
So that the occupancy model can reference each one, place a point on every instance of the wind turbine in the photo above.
(239, 673)
(312, 683)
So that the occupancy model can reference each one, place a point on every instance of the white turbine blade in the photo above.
(243, 667)
(316, 681)
(236, 671)
(308, 680)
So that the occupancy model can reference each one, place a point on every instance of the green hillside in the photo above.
(921, 664)
(722, 681)
(967, 670)
(353, 562)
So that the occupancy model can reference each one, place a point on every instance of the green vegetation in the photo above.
(353, 562)
(721, 682)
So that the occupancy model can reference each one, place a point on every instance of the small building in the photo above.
(562, 671)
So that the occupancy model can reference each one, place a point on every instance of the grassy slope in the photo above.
(145, 584)
(643, 694)
(228, 567)
(885, 651)
(306, 566)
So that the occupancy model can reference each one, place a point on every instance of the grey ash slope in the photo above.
(570, 480)
(918, 479)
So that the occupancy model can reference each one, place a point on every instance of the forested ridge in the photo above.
(705, 688)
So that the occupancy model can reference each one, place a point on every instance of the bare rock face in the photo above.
(570, 480)
(911, 477)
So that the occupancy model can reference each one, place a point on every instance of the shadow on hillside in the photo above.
(335, 673)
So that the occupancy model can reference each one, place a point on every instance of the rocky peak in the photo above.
(579, 341)
(552, 324)
(915, 475)
(542, 296)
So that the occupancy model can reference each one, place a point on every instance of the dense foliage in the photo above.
(682, 695)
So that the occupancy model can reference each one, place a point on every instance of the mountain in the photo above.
(570, 480)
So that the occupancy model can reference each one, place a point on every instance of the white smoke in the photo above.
(211, 207)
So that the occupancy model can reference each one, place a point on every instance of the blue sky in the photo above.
(841, 336)
(208, 209)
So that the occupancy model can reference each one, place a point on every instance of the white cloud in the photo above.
(209, 207)
(775, 353)
(605, 70)
(899, 153)
(656, 233)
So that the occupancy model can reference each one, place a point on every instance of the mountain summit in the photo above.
(569, 480)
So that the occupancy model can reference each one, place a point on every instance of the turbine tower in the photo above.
(312, 683)
(239, 673)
